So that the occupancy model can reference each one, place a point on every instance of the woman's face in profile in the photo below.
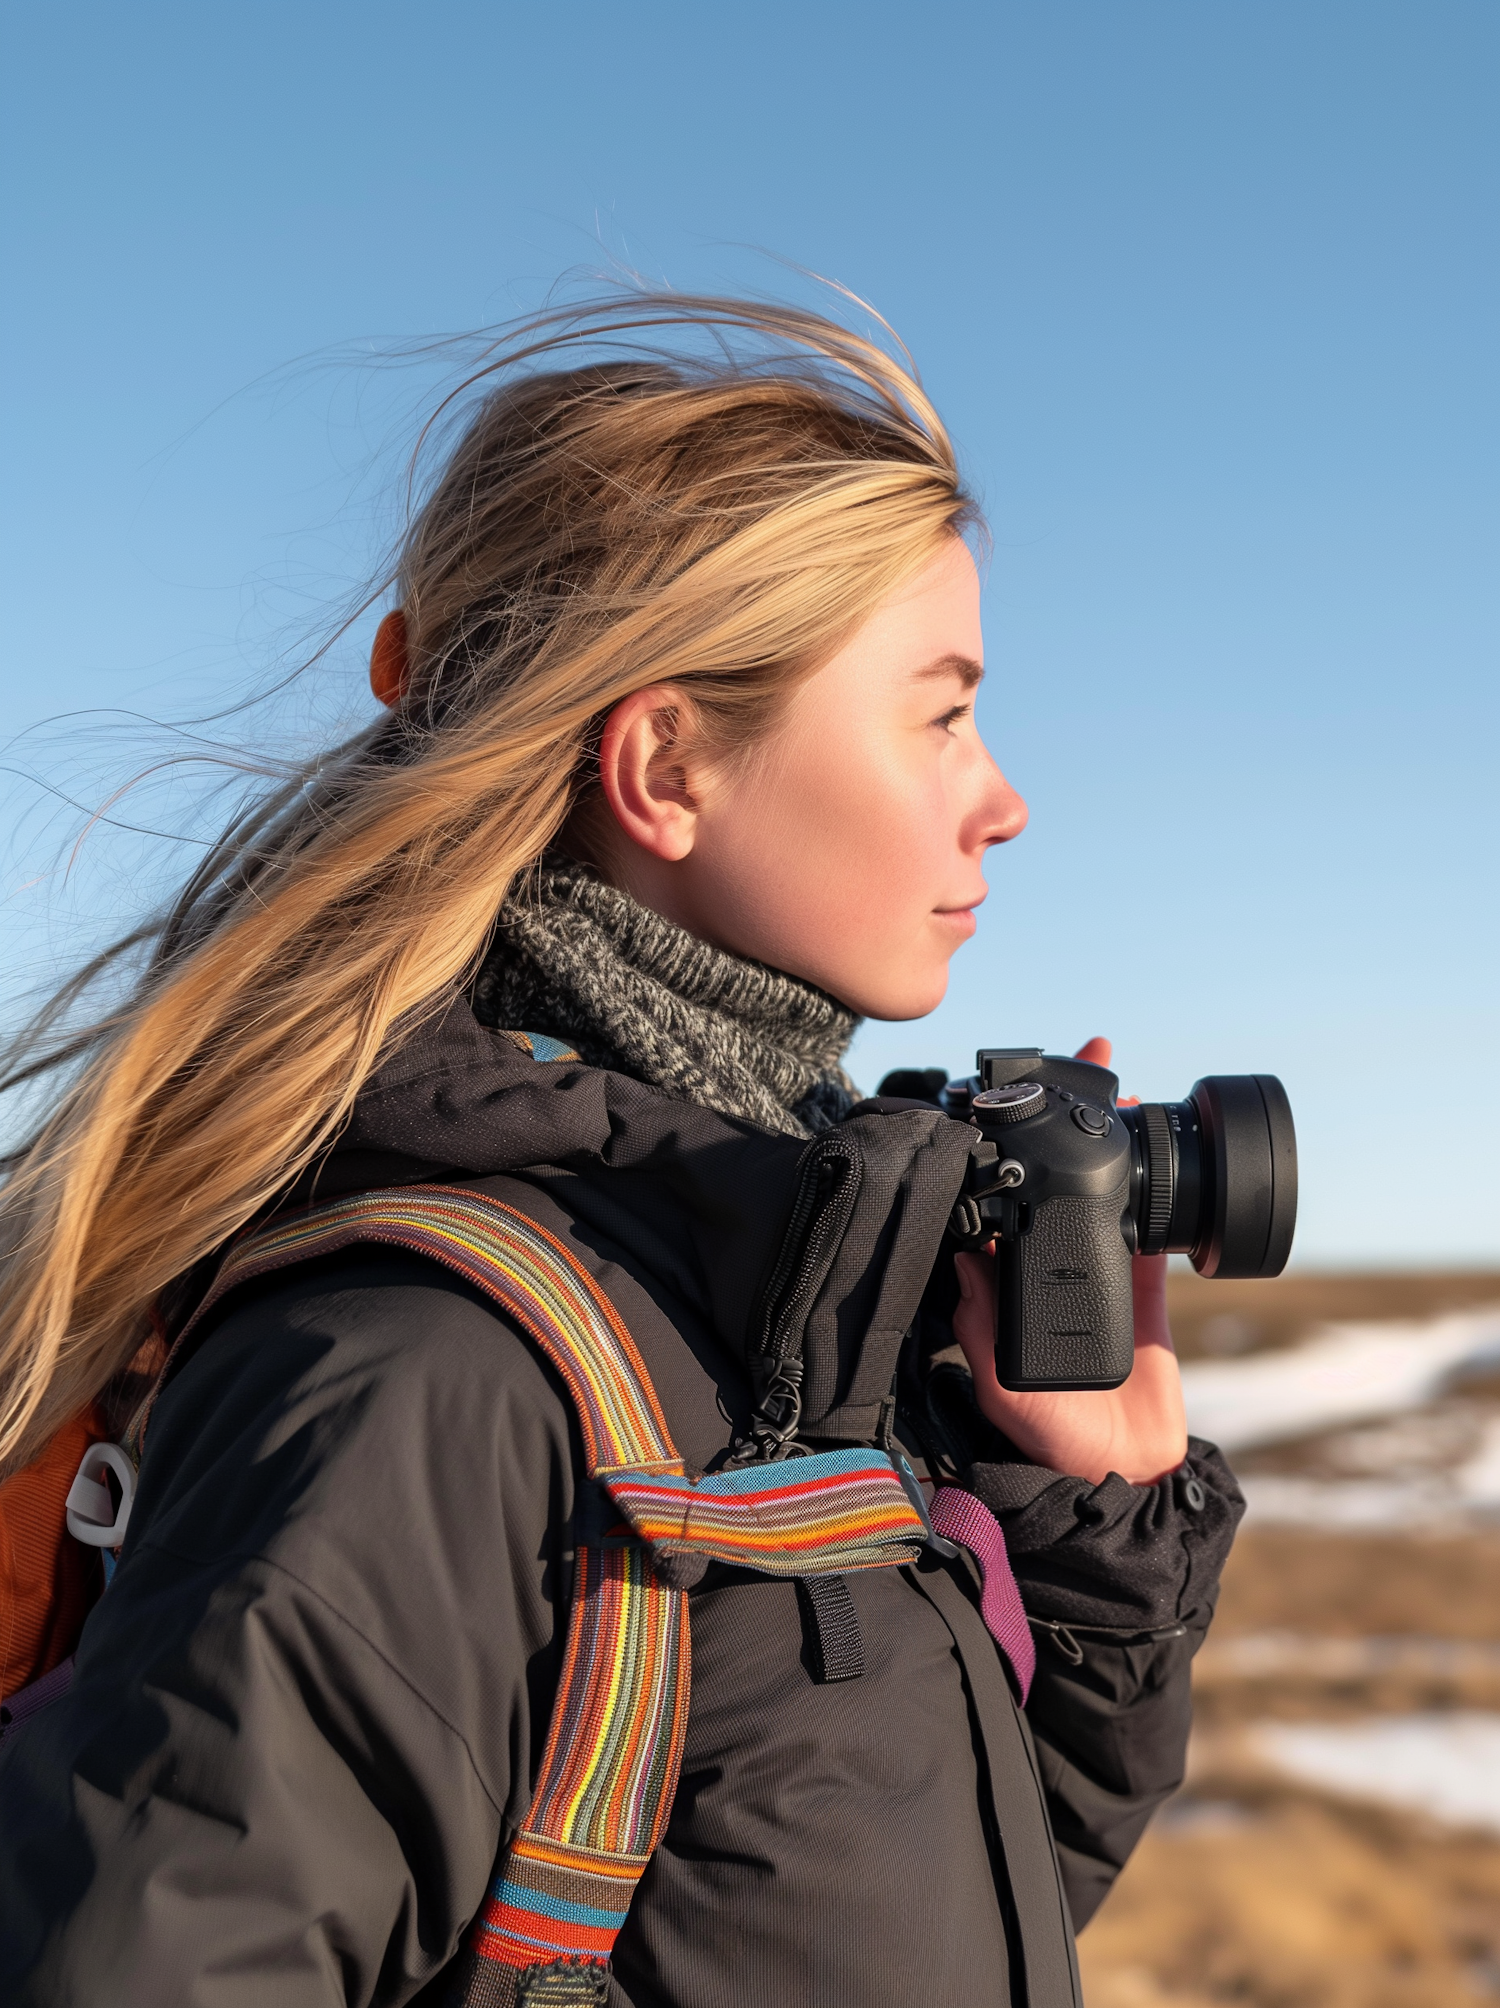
(847, 847)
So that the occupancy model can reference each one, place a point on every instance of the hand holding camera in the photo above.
(1063, 1311)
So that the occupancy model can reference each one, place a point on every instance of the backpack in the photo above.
(49, 1583)
(563, 1884)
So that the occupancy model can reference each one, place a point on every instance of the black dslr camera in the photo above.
(1069, 1186)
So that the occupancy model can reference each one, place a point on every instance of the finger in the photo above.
(1148, 1297)
(1096, 1051)
(974, 1321)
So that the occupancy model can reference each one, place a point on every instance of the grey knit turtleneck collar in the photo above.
(634, 992)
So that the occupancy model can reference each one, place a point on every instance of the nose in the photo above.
(1012, 815)
(1002, 812)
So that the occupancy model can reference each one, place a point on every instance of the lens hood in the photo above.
(1247, 1210)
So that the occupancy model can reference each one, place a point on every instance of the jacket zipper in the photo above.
(829, 1179)
(1065, 1636)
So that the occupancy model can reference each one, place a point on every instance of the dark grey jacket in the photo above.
(311, 1707)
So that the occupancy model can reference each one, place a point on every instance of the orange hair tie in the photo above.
(389, 666)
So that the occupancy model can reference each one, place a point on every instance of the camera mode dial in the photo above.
(1011, 1104)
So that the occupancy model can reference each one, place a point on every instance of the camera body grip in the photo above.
(1064, 1318)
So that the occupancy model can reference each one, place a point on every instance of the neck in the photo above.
(634, 991)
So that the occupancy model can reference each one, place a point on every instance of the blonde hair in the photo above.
(710, 518)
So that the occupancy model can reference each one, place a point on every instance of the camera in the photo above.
(1069, 1185)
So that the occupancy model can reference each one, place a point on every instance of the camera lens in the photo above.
(1215, 1177)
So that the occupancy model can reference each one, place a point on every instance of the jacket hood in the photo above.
(817, 1251)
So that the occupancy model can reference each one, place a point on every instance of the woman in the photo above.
(677, 777)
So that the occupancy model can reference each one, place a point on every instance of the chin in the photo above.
(898, 1007)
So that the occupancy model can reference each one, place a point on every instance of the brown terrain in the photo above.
(1215, 1320)
(1250, 1888)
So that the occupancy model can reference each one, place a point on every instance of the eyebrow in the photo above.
(964, 667)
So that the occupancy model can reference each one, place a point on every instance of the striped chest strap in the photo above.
(564, 1883)
(839, 1511)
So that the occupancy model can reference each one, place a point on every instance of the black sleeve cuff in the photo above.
(1114, 1554)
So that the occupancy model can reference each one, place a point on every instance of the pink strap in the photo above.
(29, 1700)
(958, 1516)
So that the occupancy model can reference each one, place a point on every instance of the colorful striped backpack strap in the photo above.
(564, 1883)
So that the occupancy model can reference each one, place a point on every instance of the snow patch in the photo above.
(1447, 1766)
(1348, 1373)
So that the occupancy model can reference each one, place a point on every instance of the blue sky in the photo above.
(1207, 293)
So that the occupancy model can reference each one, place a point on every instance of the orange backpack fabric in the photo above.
(48, 1581)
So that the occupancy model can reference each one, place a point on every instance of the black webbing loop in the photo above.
(836, 1647)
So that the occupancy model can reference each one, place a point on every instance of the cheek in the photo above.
(836, 856)
(884, 831)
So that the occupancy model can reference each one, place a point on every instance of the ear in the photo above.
(388, 661)
(644, 773)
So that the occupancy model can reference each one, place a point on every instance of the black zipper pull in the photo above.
(830, 1175)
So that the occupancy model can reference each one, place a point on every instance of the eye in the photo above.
(949, 719)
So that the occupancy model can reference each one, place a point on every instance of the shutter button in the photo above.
(1092, 1121)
